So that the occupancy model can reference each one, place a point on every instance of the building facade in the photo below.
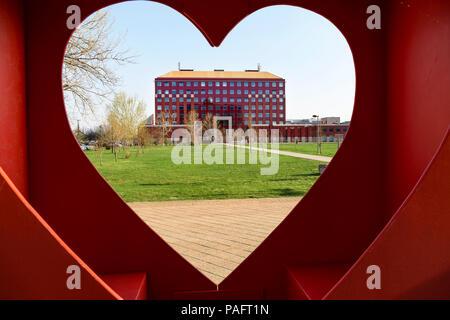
(247, 97)
(243, 97)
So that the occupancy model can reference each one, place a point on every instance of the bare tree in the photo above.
(164, 129)
(192, 118)
(144, 137)
(87, 75)
(209, 122)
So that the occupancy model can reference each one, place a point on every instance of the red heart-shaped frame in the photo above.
(306, 255)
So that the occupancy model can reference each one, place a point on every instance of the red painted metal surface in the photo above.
(12, 94)
(34, 258)
(401, 74)
(130, 286)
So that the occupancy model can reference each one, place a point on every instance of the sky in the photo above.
(298, 45)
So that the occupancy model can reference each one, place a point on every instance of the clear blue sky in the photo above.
(296, 44)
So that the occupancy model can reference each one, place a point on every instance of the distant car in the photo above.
(83, 147)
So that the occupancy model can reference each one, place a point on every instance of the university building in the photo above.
(238, 98)
(244, 96)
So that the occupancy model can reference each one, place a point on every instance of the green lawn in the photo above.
(152, 176)
(328, 148)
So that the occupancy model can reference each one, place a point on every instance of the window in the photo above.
(253, 99)
(195, 99)
(274, 115)
(239, 99)
(159, 92)
(195, 91)
(159, 108)
(181, 91)
(166, 99)
(224, 83)
(188, 84)
(181, 84)
(246, 107)
(217, 99)
(238, 92)
(210, 83)
(174, 84)
(260, 115)
(260, 84)
(202, 84)
(246, 115)
(195, 84)
(217, 91)
(274, 84)
(238, 84)
(203, 91)
(232, 100)
(260, 92)
(253, 107)
(174, 91)
(225, 107)
(231, 91)
(166, 84)
(174, 99)
(174, 108)
(245, 84)
(225, 99)
(267, 84)
(210, 91)
(224, 92)
(253, 84)
(280, 92)
(267, 115)
(159, 99)
(217, 84)
(158, 83)
(245, 99)
(245, 91)
(253, 92)
(281, 84)
(231, 84)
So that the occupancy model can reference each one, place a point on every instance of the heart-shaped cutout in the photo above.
(213, 233)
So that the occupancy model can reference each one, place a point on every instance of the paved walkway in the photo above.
(215, 235)
(288, 153)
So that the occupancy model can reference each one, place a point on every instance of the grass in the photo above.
(152, 176)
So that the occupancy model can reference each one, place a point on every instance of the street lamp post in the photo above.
(318, 134)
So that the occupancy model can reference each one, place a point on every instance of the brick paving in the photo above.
(215, 236)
